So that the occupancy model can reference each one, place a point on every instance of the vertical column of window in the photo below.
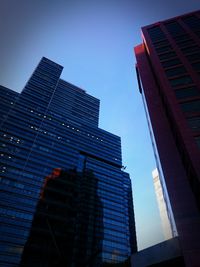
(193, 22)
(188, 43)
(178, 76)
(185, 89)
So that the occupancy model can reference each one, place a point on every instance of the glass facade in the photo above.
(52, 125)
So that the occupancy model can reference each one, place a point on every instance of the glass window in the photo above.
(198, 141)
(196, 66)
(187, 92)
(185, 43)
(192, 106)
(181, 38)
(171, 63)
(194, 123)
(163, 49)
(175, 71)
(181, 81)
(193, 57)
(190, 49)
(192, 21)
(198, 33)
(174, 28)
(161, 43)
(156, 34)
(167, 55)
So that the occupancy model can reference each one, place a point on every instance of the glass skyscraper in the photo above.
(51, 126)
(168, 70)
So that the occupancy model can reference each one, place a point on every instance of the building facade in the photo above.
(53, 125)
(168, 71)
(166, 216)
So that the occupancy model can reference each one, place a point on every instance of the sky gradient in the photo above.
(93, 41)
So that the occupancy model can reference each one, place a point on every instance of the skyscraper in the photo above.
(163, 205)
(168, 71)
(53, 125)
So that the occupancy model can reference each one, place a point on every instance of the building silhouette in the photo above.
(168, 71)
(52, 127)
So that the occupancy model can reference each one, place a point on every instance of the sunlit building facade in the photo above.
(166, 215)
(53, 125)
(168, 71)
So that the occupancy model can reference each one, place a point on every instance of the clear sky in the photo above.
(93, 41)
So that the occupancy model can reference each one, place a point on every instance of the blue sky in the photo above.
(94, 42)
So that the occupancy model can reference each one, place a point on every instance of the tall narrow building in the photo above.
(59, 169)
(166, 216)
(168, 71)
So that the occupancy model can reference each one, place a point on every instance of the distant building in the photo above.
(168, 71)
(163, 206)
(53, 125)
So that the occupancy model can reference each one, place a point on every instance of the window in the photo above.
(193, 22)
(174, 28)
(167, 55)
(190, 49)
(193, 57)
(181, 38)
(193, 106)
(198, 33)
(194, 123)
(185, 43)
(171, 63)
(197, 139)
(181, 81)
(175, 71)
(156, 34)
(196, 66)
(187, 92)
(161, 43)
(163, 49)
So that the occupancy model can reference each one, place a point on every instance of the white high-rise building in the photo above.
(162, 205)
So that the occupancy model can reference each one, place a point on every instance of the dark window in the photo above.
(171, 63)
(181, 81)
(174, 28)
(156, 34)
(196, 66)
(164, 49)
(193, 106)
(181, 38)
(197, 139)
(194, 123)
(167, 55)
(175, 71)
(187, 92)
(198, 33)
(193, 57)
(161, 43)
(193, 22)
(190, 50)
(185, 43)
